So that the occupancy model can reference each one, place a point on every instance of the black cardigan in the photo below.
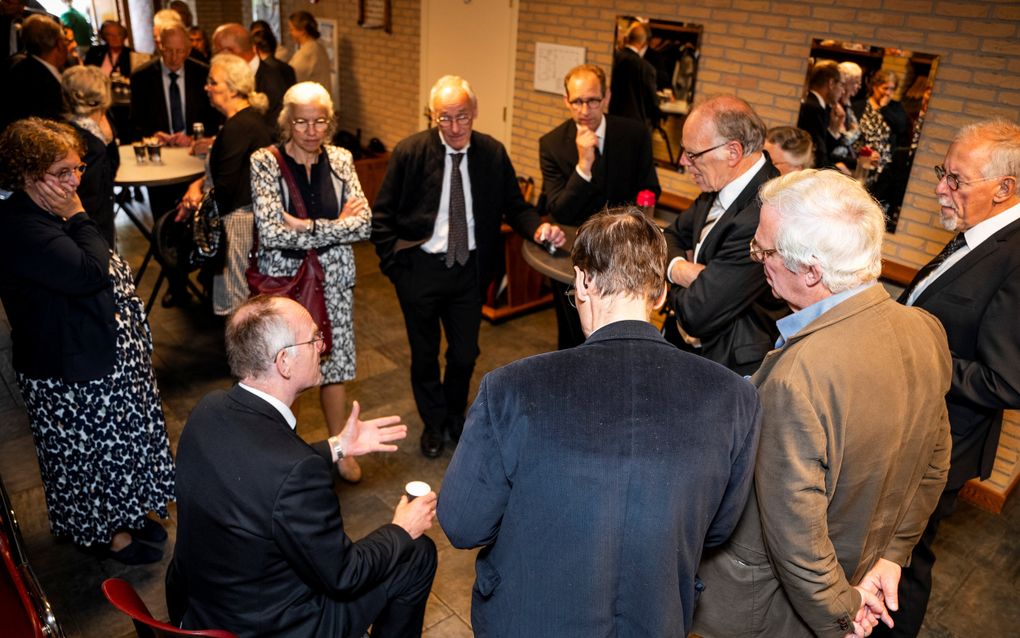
(56, 289)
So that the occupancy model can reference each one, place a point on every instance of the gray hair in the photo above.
(86, 90)
(41, 34)
(1002, 138)
(828, 220)
(849, 70)
(305, 94)
(455, 81)
(255, 333)
(240, 79)
(735, 120)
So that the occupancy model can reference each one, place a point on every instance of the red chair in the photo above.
(123, 596)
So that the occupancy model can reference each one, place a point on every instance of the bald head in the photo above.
(233, 38)
(734, 119)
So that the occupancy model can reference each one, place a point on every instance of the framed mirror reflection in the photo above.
(864, 107)
(655, 68)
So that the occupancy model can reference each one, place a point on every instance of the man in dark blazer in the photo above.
(592, 512)
(151, 108)
(633, 80)
(722, 304)
(825, 88)
(36, 75)
(589, 162)
(272, 76)
(436, 228)
(261, 549)
(973, 287)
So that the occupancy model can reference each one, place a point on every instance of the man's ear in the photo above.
(661, 301)
(1006, 191)
(812, 275)
(282, 363)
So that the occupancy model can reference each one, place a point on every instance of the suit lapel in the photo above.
(256, 404)
(745, 197)
(968, 261)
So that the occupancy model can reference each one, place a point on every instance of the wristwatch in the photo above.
(338, 450)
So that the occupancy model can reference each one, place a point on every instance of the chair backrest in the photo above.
(19, 618)
(122, 595)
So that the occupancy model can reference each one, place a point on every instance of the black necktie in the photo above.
(954, 245)
(457, 242)
(176, 109)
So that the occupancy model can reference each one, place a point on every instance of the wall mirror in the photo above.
(672, 52)
(880, 135)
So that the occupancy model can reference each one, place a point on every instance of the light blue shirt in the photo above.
(790, 325)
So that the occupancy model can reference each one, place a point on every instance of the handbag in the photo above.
(207, 229)
(304, 286)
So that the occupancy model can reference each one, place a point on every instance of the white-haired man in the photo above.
(436, 227)
(855, 438)
(973, 287)
(261, 549)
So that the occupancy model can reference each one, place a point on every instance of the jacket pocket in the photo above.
(486, 578)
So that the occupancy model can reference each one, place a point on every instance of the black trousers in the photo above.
(433, 296)
(395, 608)
(915, 580)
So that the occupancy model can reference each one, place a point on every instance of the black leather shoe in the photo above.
(136, 553)
(150, 532)
(454, 427)
(431, 444)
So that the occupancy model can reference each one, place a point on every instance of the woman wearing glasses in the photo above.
(231, 90)
(327, 214)
(82, 353)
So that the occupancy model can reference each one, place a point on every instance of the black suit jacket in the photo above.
(633, 88)
(95, 56)
(610, 497)
(978, 302)
(261, 548)
(404, 214)
(730, 306)
(274, 78)
(624, 168)
(814, 118)
(148, 99)
(36, 92)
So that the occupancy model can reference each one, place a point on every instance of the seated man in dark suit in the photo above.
(589, 162)
(261, 548)
(272, 77)
(593, 510)
(825, 88)
(36, 76)
(722, 303)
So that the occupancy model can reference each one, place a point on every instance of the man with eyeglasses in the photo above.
(591, 161)
(261, 548)
(854, 446)
(973, 287)
(719, 298)
(436, 228)
(593, 511)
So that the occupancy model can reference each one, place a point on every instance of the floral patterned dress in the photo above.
(102, 445)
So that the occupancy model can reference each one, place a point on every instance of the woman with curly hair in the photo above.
(82, 352)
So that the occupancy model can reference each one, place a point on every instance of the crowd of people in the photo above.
(789, 441)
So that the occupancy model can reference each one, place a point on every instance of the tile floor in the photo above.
(977, 578)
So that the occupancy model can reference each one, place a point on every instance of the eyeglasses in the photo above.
(65, 174)
(691, 157)
(570, 295)
(319, 340)
(954, 182)
(302, 124)
(446, 121)
(590, 102)
(759, 254)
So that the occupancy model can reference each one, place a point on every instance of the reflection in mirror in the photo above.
(655, 64)
(864, 107)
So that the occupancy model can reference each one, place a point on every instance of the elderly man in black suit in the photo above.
(973, 287)
(36, 76)
(723, 307)
(593, 511)
(589, 162)
(436, 227)
(272, 76)
(261, 549)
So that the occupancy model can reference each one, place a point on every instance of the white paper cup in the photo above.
(414, 489)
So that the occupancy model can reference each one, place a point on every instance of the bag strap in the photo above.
(292, 187)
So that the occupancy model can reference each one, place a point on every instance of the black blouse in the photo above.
(230, 158)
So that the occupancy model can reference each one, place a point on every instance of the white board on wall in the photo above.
(552, 61)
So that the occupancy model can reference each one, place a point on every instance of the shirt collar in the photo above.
(254, 63)
(166, 70)
(790, 325)
(280, 406)
(731, 191)
(450, 149)
(821, 100)
(985, 229)
(52, 69)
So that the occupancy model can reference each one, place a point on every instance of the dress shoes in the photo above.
(150, 532)
(431, 443)
(134, 553)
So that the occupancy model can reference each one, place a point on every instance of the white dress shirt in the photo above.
(600, 134)
(280, 406)
(440, 239)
